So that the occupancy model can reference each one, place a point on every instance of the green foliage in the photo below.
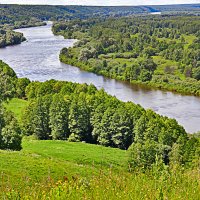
(9, 129)
(10, 38)
(143, 155)
(23, 15)
(161, 51)
(7, 82)
(196, 73)
(59, 111)
(79, 112)
(79, 119)
(156, 136)
(10, 136)
(21, 85)
(64, 110)
(41, 118)
(10, 132)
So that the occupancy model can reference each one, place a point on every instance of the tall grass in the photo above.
(62, 170)
(170, 184)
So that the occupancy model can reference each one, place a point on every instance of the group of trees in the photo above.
(135, 48)
(8, 37)
(79, 112)
(10, 132)
(12, 13)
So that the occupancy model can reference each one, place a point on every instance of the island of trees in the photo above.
(7, 25)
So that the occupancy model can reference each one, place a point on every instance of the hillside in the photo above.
(11, 13)
(61, 170)
(19, 16)
(56, 159)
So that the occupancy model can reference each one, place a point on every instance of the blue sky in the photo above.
(100, 2)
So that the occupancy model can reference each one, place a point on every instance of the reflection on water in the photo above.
(38, 59)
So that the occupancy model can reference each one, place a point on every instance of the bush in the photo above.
(10, 134)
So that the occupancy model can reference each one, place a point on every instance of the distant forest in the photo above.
(20, 16)
(12, 13)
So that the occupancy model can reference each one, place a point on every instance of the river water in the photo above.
(37, 59)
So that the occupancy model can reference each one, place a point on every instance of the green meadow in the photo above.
(63, 170)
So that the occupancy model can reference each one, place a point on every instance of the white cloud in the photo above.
(99, 2)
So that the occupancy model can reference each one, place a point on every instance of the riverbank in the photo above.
(165, 83)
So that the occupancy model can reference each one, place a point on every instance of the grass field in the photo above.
(163, 64)
(62, 170)
(56, 159)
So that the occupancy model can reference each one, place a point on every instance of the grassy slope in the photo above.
(40, 169)
(42, 159)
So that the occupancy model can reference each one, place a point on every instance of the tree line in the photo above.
(12, 13)
(79, 112)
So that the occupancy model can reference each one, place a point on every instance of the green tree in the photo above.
(79, 119)
(143, 155)
(7, 81)
(196, 73)
(59, 111)
(41, 118)
(105, 128)
(122, 128)
(10, 133)
(21, 85)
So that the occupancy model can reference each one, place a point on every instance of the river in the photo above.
(37, 59)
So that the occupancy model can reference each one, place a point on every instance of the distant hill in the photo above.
(189, 8)
(8, 13)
